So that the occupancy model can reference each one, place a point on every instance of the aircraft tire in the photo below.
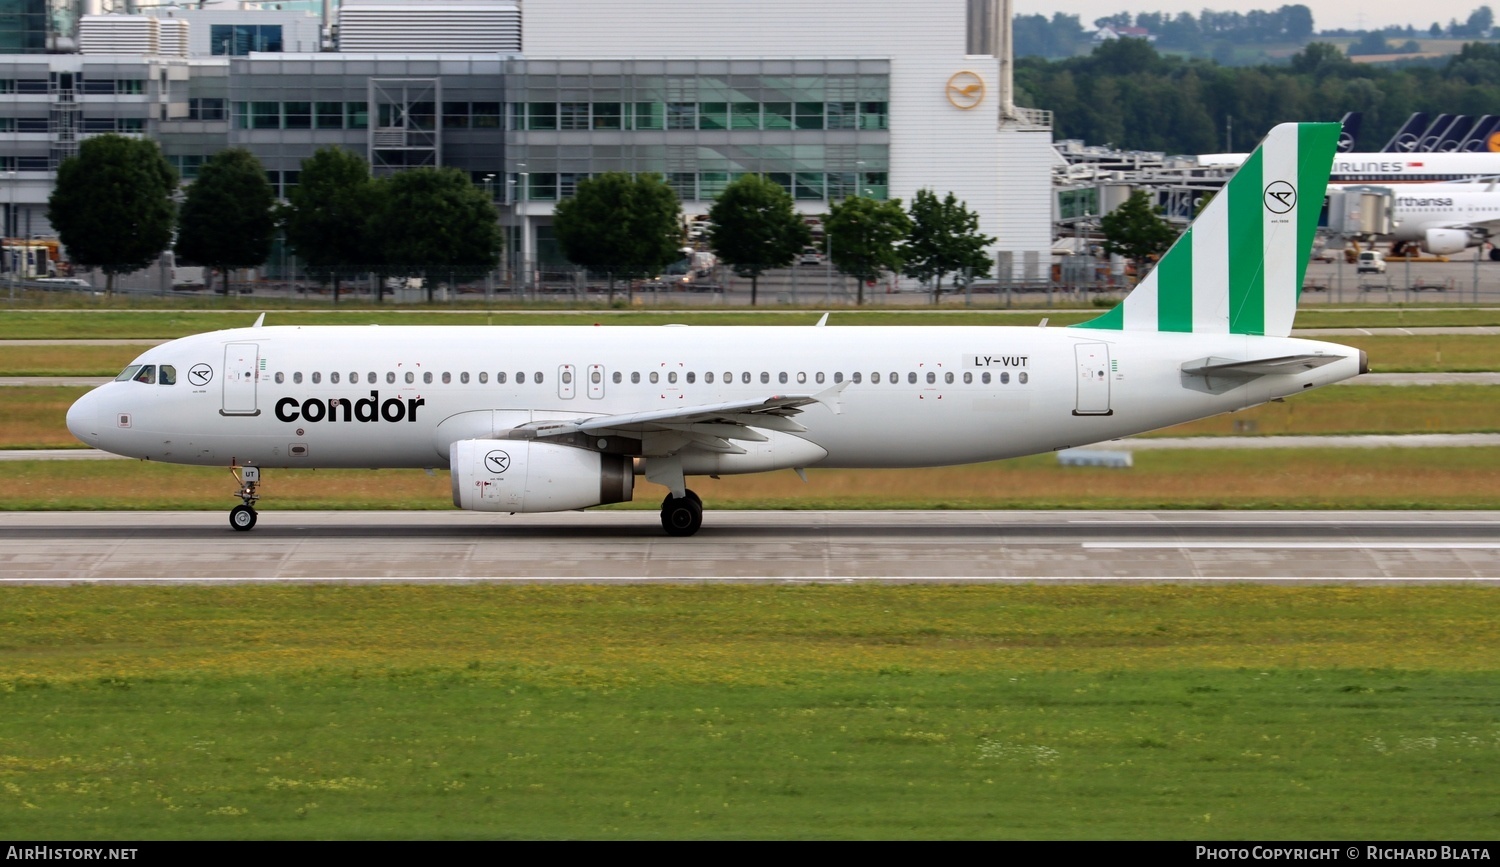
(681, 516)
(242, 517)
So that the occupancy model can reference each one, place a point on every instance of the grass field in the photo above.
(1393, 478)
(749, 712)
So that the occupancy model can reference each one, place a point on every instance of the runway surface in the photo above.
(831, 546)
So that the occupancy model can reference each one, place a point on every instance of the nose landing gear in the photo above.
(243, 517)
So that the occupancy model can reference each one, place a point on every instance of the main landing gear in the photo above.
(682, 516)
(243, 517)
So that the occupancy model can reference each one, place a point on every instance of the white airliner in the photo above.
(1393, 168)
(535, 419)
(1445, 218)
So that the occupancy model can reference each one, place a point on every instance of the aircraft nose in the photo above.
(83, 418)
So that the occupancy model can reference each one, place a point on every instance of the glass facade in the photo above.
(238, 40)
(818, 128)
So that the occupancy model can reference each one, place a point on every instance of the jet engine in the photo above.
(529, 476)
(1441, 242)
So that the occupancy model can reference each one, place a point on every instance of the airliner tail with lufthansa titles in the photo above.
(538, 419)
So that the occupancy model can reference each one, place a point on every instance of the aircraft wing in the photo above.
(708, 426)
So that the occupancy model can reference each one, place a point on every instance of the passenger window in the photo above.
(691, 377)
(484, 377)
(567, 377)
(1004, 377)
(1022, 377)
(280, 377)
(782, 378)
(447, 377)
(596, 377)
(896, 377)
(931, 377)
(875, 377)
(616, 377)
(985, 377)
(147, 374)
(317, 377)
(819, 377)
(520, 377)
(745, 377)
(912, 377)
(168, 375)
(297, 378)
(411, 377)
(333, 377)
(764, 377)
(500, 378)
(838, 376)
(635, 377)
(370, 377)
(968, 378)
(354, 378)
(948, 378)
(128, 373)
(463, 378)
(655, 377)
(854, 377)
(537, 377)
(728, 377)
(708, 377)
(390, 377)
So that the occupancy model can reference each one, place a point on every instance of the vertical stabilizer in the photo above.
(1238, 268)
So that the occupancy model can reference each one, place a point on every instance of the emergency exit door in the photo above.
(1093, 379)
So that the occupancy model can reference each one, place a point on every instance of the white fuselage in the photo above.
(294, 396)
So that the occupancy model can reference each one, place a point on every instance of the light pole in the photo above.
(10, 210)
(525, 229)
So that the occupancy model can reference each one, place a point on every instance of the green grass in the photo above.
(748, 712)
(111, 323)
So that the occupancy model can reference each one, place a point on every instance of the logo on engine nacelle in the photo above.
(497, 461)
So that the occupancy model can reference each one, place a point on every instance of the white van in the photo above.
(1370, 262)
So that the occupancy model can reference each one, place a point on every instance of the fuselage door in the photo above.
(566, 386)
(596, 381)
(1093, 379)
(241, 371)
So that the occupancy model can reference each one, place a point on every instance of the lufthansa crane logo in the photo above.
(497, 461)
(965, 90)
(1280, 197)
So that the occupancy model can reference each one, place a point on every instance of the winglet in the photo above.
(259, 320)
(822, 322)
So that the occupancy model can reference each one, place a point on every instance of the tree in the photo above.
(227, 219)
(1134, 230)
(944, 239)
(620, 225)
(328, 214)
(864, 238)
(112, 205)
(432, 221)
(756, 228)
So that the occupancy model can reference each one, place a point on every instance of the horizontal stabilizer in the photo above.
(1256, 367)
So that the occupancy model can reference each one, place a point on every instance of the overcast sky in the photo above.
(1327, 14)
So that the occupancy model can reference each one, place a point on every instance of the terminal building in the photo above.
(828, 99)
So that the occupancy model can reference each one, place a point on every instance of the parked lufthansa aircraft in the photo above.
(535, 419)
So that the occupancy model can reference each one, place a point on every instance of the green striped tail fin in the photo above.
(1238, 268)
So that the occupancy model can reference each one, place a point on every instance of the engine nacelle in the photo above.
(528, 476)
(1441, 242)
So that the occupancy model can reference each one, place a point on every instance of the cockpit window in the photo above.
(167, 376)
(128, 373)
(146, 374)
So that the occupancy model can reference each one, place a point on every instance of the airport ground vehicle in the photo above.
(1370, 262)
